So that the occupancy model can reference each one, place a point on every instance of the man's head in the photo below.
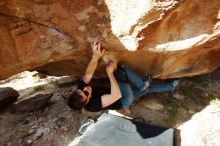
(79, 98)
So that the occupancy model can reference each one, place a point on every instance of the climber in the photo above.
(120, 95)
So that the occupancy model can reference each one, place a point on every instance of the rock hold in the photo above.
(153, 104)
(178, 96)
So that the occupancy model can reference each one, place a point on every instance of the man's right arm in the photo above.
(97, 54)
(115, 94)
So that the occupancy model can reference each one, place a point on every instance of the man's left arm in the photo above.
(108, 99)
(97, 54)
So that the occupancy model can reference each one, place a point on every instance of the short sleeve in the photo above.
(82, 84)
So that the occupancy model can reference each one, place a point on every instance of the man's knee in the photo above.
(127, 99)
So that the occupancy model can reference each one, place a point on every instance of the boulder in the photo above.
(32, 103)
(7, 96)
(67, 81)
(168, 39)
(202, 129)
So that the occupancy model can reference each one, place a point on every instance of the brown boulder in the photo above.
(7, 96)
(168, 39)
(32, 103)
(67, 81)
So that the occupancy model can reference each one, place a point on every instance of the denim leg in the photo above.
(161, 88)
(134, 78)
(139, 93)
(127, 94)
(153, 89)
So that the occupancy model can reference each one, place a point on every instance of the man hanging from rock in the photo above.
(120, 95)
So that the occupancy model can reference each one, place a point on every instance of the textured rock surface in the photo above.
(7, 96)
(204, 133)
(168, 38)
(32, 103)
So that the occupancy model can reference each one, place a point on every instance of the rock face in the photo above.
(168, 39)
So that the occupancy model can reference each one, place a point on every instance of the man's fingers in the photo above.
(96, 47)
(93, 43)
(111, 64)
(99, 46)
(103, 52)
(114, 65)
(108, 65)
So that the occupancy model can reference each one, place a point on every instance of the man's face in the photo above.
(86, 94)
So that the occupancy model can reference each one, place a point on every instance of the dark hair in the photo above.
(75, 101)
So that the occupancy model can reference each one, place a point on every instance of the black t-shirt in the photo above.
(95, 102)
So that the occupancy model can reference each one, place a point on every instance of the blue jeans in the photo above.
(130, 94)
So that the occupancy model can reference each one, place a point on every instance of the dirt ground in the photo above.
(192, 109)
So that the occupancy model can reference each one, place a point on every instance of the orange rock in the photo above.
(168, 39)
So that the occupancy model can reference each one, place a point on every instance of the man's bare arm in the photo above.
(115, 94)
(97, 53)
